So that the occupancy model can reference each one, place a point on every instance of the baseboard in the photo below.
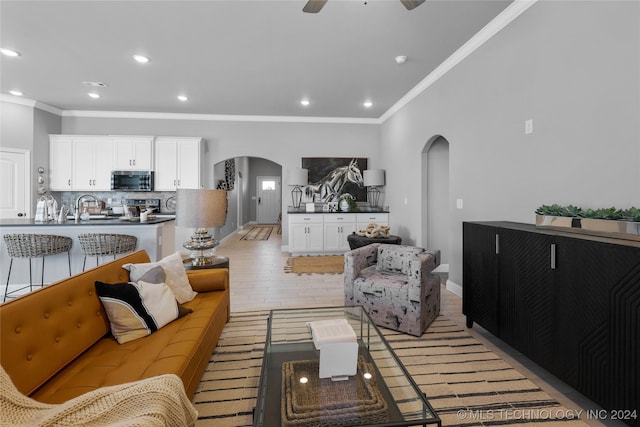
(454, 288)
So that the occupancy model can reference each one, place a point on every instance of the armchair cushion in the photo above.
(395, 258)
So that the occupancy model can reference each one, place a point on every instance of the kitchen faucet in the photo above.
(79, 199)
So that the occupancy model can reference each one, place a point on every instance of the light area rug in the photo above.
(258, 233)
(465, 382)
(327, 264)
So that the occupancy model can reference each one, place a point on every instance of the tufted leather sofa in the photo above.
(55, 342)
(394, 284)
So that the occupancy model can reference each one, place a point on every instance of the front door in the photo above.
(268, 200)
(15, 170)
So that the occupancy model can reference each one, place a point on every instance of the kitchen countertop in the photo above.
(320, 211)
(16, 222)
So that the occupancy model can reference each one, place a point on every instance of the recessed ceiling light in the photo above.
(94, 95)
(9, 52)
(183, 98)
(367, 104)
(95, 84)
(141, 59)
(15, 92)
(401, 59)
(305, 102)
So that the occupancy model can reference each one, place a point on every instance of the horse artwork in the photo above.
(331, 177)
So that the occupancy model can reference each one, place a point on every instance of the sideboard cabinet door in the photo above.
(527, 294)
(598, 320)
(480, 276)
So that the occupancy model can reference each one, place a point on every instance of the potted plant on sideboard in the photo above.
(610, 222)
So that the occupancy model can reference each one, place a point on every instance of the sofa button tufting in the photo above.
(78, 325)
(69, 303)
(18, 329)
(29, 357)
(46, 315)
(57, 339)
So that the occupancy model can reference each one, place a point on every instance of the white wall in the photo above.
(574, 68)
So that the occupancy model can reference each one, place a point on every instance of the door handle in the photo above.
(497, 244)
(259, 200)
(553, 256)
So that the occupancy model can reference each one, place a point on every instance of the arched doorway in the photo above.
(435, 200)
(243, 197)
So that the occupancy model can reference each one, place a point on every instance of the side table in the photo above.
(219, 261)
(356, 241)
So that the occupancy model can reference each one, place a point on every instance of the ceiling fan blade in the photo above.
(411, 4)
(314, 6)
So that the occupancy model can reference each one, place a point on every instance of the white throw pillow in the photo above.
(176, 276)
(136, 310)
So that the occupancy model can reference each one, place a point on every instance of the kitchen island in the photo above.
(156, 236)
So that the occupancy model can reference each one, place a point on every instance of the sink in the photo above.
(97, 216)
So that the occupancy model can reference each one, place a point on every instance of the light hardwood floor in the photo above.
(258, 282)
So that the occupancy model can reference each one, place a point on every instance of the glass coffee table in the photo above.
(291, 394)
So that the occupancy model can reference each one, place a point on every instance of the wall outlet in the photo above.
(528, 126)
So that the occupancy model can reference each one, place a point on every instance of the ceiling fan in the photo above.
(314, 6)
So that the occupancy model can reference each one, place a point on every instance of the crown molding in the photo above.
(215, 117)
(31, 103)
(505, 17)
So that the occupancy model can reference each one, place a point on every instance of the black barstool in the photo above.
(35, 246)
(101, 244)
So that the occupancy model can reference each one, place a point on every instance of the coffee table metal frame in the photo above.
(289, 339)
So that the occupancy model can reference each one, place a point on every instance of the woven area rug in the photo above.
(327, 264)
(465, 382)
(258, 233)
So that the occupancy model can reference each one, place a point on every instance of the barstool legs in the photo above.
(6, 289)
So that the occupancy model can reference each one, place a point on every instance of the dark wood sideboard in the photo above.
(570, 302)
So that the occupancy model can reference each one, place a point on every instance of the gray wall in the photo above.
(573, 67)
(27, 128)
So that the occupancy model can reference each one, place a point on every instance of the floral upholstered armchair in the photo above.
(394, 284)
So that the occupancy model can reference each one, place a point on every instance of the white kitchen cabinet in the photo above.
(336, 229)
(92, 163)
(178, 163)
(306, 233)
(60, 162)
(133, 152)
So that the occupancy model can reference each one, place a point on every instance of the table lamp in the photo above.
(373, 179)
(297, 178)
(201, 209)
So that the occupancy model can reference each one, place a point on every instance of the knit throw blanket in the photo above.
(157, 401)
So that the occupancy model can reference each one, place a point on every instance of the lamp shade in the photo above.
(298, 177)
(373, 177)
(201, 208)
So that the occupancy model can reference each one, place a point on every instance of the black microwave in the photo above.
(132, 180)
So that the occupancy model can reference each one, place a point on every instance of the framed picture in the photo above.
(330, 177)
